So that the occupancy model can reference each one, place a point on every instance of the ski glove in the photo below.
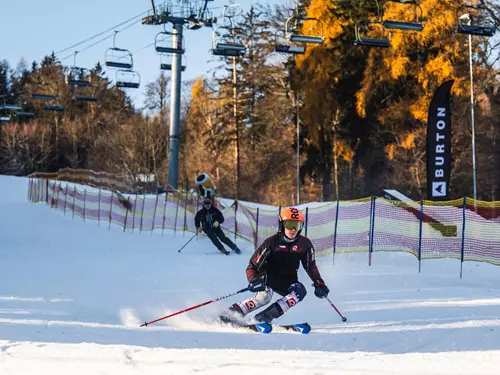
(216, 224)
(320, 289)
(258, 284)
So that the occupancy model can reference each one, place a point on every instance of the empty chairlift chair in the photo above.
(166, 62)
(13, 110)
(119, 58)
(80, 78)
(366, 41)
(281, 45)
(48, 98)
(226, 44)
(128, 79)
(466, 26)
(292, 33)
(414, 25)
(164, 43)
(227, 40)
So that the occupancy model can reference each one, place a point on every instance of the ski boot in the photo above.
(272, 312)
(236, 250)
(224, 251)
(233, 315)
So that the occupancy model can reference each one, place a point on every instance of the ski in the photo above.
(257, 327)
(303, 328)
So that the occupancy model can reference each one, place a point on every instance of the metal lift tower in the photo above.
(194, 14)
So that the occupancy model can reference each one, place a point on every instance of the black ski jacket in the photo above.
(207, 217)
(280, 261)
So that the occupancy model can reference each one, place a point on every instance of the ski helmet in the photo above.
(291, 214)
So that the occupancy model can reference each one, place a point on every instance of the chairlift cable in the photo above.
(99, 41)
(101, 33)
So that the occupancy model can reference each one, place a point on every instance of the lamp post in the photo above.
(467, 20)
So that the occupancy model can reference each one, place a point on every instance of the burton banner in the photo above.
(439, 144)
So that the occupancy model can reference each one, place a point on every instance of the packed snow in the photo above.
(73, 295)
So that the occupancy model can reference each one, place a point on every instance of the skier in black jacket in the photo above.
(274, 267)
(209, 219)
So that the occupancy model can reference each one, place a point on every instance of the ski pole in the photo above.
(337, 310)
(193, 307)
(186, 244)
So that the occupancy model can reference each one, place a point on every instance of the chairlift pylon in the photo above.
(370, 42)
(414, 25)
(120, 58)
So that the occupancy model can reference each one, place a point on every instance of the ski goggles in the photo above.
(292, 224)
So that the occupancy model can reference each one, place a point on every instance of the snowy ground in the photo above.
(72, 296)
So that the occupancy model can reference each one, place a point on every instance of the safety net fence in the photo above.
(465, 229)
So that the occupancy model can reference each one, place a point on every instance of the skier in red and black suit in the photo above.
(209, 219)
(274, 267)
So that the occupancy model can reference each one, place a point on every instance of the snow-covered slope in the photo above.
(72, 296)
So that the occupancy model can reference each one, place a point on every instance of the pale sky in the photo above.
(32, 29)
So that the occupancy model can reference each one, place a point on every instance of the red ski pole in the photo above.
(338, 312)
(193, 307)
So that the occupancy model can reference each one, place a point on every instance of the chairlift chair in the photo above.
(54, 108)
(10, 107)
(370, 42)
(42, 96)
(292, 49)
(414, 25)
(164, 43)
(294, 37)
(232, 15)
(85, 98)
(465, 26)
(127, 79)
(226, 45)
(120, 58)
(166, 62)
(281, 46)
(23, 114)
(47, 97)
(78, 76)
